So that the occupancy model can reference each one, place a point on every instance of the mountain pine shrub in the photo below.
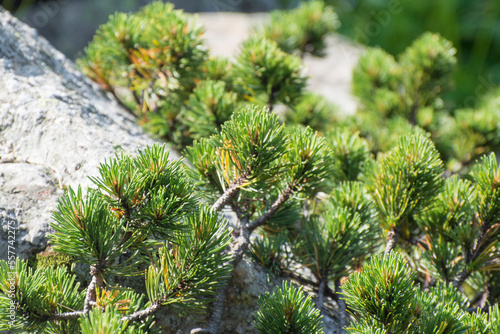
(391, 215)
(156, 64)
(404, 94)
(302, 30)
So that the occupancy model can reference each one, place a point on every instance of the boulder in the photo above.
(56, 126)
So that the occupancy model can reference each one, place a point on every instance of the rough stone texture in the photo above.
(55, 128)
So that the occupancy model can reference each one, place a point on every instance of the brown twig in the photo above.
(241, 246)
(480, 246)
(139, 315)
(229, 194)
(67, 315)
(282, 198)
(342, 307)
(392, 239)
(97, 282)
(323, 283)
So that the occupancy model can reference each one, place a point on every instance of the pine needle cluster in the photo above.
(141, 214)
(155, 62)
(385, 299)
(302, 30)
(406, 94)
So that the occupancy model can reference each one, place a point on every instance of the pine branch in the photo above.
(139, 315)
(217, 309)
(460, 278)
(216, 316)
(483, 298)
(323, 283)
(270, 106)
(96, 282)
(282, 198)
(304, 281)
(392, 236)
(238, 211)
(229, 194)
(342, 308)
(242, 243)
(480, 246)
(271, 100)
(412, 118)
(67, 316)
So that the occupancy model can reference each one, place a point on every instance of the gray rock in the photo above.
(56, 126)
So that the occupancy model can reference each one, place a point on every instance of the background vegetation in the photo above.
(472, 26)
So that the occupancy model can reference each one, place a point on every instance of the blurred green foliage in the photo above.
(473, 27)
(302, 30)
(406, 94)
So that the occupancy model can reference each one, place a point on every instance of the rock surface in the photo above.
(56, 127)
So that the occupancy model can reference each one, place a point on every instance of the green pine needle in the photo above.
(288, 311)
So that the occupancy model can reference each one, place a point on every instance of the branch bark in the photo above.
(323, 283)
(282, 198)
(412, 118)
(304, 281)
(484, 297)
(229, 194)
(270, 101)
(342, 307)
(90, 298)
(392, 239)
(480, 246)
(97, 282)
(242, 243)
(67, 315)
(460, 278)
(139, 315)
